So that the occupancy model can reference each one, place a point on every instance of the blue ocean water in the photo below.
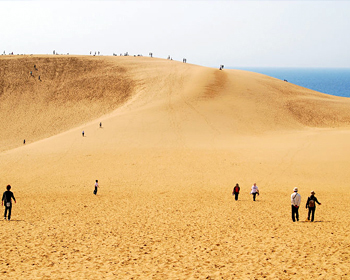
(334, 81)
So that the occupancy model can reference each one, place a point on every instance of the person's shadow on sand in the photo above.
(306, 221)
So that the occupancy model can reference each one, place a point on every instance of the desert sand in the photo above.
(175, 139)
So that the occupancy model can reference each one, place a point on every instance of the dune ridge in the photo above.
(175, 139)
(74, 90)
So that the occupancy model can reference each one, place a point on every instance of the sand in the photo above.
(174, 141)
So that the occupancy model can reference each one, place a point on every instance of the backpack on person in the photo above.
(236, 190)
(311, 203)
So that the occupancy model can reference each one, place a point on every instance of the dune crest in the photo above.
(75, 90)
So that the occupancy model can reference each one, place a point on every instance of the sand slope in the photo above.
(175, 139)
(71, 90)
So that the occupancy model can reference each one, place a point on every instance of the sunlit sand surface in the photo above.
(175, 139)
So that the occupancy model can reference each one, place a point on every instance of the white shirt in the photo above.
(295, 199)
(254, 189)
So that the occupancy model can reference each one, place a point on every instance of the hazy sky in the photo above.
(208, 33)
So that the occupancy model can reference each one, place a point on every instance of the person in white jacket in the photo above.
(295, 200)
(255, 191)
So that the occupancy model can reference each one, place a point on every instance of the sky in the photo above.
(208, 33)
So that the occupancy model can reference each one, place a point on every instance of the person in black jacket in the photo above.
(7, 199)
(311, 204)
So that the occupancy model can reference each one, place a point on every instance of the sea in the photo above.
(333, 81)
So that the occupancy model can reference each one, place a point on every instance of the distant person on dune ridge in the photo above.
(96, 187)
(311, 204)
(254, 191)
(235, 191)
(7, 199)
(295, 200)
(83, 133)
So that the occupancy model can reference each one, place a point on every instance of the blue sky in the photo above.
(208, 33)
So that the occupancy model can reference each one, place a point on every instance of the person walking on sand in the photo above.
(83, 133)
(7, 199)
(311, 204)
(254, 191)
(235, 191)
(295, 200)
(96, 187)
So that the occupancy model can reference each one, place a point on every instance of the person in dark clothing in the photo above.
(7, 199)
(96, 187)
(311, 204)
(235, 191)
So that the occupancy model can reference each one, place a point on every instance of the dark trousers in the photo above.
(9, 210)
(95, 191)
(295, 213)
(236, 196)
(312, 212)
(254, 196)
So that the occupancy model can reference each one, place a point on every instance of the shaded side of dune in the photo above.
(42, 96)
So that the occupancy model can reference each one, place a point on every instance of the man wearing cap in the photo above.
(311, 204)
(295, 199)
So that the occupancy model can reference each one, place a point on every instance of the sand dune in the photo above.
(70, 91)
(175, 140)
